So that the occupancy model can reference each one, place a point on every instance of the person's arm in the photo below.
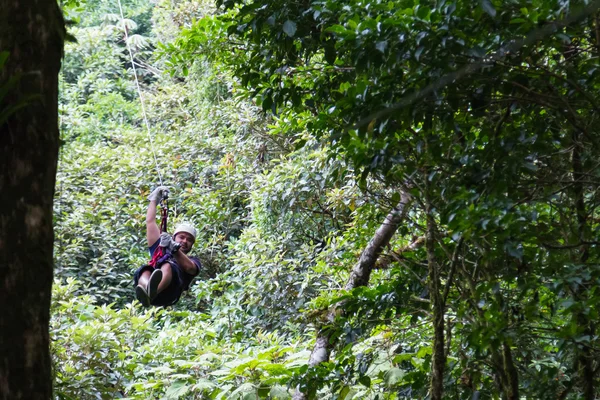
(186, 264)
(152, 229)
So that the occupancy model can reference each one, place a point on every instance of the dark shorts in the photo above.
(172, 293)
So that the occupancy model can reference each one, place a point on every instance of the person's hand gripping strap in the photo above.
(167, 242)
(158, 194)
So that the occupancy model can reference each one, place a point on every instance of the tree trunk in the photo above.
(362, 270)
(438, 362)
(585, 355)
(32, 32)
(359, 277)
(512, 375)
(436, 296)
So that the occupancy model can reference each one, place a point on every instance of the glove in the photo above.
(168, 243)
(158, 194)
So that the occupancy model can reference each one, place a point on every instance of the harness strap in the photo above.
(161, 254)
(164, 216)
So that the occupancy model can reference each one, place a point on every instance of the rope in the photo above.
(137, 83)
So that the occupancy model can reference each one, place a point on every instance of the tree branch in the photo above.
(358, 277)
(396, 255)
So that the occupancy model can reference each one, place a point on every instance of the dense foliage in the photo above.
(286, 132)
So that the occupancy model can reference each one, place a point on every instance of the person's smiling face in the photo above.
(185, 240)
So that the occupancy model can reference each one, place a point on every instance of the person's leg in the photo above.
(166, 277)
(140, 280)
(159, 280)
(144, 278)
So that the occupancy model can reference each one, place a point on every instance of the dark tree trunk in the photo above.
(438, 362)
(32, 32)
(436, 293)
(512, 375)
(585, 356)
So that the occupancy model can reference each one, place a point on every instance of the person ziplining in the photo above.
(170, 271)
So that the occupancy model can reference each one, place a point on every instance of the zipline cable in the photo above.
(137, 83)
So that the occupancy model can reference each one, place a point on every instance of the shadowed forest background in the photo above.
(395, 200)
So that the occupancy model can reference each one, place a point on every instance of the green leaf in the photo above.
(279, 393)
(244, 390)
(418, 52)
(338, 29)
(423, 12)
(289, 27)
(423, 351)
(330, 54)
(381, 46)
(344, 392)
(393, 376)
(177, 389)
(365, 380)
(203, 384)
(488, 8)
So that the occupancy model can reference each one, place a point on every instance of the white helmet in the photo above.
(185, 227)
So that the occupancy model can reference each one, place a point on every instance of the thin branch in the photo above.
(396, 255)
(570, 246)
(452, 270)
